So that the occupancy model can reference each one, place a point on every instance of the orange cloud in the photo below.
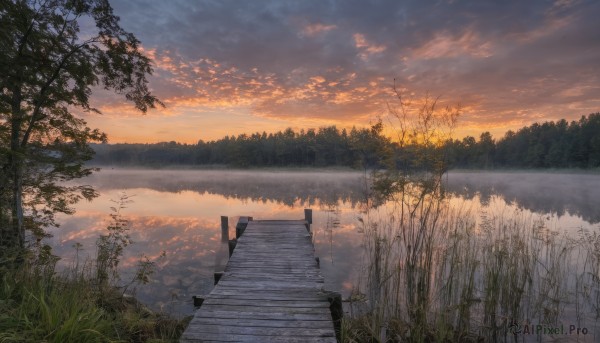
(445, 45)
(315, 29)
(366, 48)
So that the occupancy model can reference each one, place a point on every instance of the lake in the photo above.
(178, 212)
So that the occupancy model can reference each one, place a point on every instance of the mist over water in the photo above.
(576, 194)
(285, 187)
(178, 212)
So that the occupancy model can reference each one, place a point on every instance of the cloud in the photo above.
(510, 62)
(315, 29)
(366, 48)
(445, 45)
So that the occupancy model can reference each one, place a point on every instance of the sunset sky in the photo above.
(229, 67)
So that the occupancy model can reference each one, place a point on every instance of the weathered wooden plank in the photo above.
(268, 270)
(207, 338)
(263, 331)
(271, 265)
(286, 222)
(272, 257)
(258, 275)
(266, 309)
(271, 315)
(275, 267)
(270, 323)
(292, 292)
(273, 297)
(265, 303)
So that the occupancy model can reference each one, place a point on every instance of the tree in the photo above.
(48, 68)
(486, 149)
(416, 225)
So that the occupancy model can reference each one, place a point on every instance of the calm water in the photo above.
(178, 212)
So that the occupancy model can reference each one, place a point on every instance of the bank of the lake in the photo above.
(39, 303)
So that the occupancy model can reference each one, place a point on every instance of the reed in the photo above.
(437, 271)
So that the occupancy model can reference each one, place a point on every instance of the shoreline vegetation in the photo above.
(87, 301)
(54, 53)
(433, 273)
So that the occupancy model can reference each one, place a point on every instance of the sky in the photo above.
(226, 67)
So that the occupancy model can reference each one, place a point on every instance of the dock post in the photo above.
(308, 217)
(241, 226)
(224, 229)
(198, 300)
(232, 244)
(337, 312)
(218, 276)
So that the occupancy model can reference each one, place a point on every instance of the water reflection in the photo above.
(552, 193)
(282, 187)
(178, 212)
(576, 194)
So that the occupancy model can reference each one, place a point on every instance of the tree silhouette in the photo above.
(48, 68)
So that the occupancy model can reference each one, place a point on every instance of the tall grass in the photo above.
(39, 306)
(85, 302)
(436, 271)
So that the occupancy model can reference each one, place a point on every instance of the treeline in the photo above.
(549, 145)
(325, 147)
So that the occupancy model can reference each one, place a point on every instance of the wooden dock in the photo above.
(271, 290)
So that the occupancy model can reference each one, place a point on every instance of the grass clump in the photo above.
(84, 302)
(443, 273)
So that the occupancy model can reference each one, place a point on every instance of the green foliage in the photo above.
(48, 67)
(39, 306)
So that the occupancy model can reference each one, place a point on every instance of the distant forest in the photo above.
(548, 145)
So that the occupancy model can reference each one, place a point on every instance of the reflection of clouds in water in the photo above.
(341, 257)
(179, 212)
(189, 244)
(192, 243)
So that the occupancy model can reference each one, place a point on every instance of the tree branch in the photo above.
(39, 103)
